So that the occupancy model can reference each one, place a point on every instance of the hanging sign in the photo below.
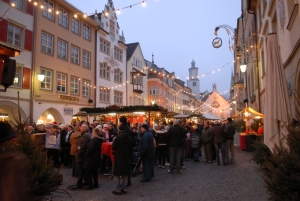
(217, 42)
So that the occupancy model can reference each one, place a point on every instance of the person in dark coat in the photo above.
(122, 147)
(219, 141)
(146, 152)
(207, 142)
(123, 121)
(65, 145)
(176, 137)
(112, 132)
(92, 159)
(196, 144)
(229, 132)
(82, 145)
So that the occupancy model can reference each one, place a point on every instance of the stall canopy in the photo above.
(211, 117)
(248, 112)
(181, 116)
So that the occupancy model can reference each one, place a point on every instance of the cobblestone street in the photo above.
(199, 181)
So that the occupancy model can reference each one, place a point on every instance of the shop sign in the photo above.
(68, 111)
(68, 98)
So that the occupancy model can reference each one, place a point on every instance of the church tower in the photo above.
(193, 81)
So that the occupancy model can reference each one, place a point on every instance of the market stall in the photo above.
(249, 135)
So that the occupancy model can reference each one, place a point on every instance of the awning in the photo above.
(211, 117)
(8, 50)
(179, 116)
(248, 112)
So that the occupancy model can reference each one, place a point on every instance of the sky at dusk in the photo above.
(178, 31)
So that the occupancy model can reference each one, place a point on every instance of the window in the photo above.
(75, 26)
(63, 18)
(86, 58)
(194, 84)
(14, 35)
(104, 46)
(136, 62)
(112, 27)
(47, 43)
(86, 32)
(104, 95)
(153, 91)
(86, 88)
(118, 74)
(18, 76)
(62, 48)
(118, 54)
(104, 71)
(74, 86)
(61, 82)
(47, 82)
(118, 97)
(48, 9)
(74, 55)
(18, 3)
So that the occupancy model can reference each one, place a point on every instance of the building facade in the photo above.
(111, 60)
(64, 52)
(193, 81)
(259, 18)
(136, 73)
(16, 32)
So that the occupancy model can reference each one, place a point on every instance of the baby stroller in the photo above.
(135, 160)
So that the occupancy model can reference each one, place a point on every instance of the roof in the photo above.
(206, 97)
(130, 50)
(211, 117)
(241, 81)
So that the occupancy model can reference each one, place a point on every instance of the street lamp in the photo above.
(243, 67)
(41, 77)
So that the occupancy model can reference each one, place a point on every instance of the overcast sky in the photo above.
(177, 31)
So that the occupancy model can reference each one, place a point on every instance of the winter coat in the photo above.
(92, 154)
(161, 138)
(122, 147)
(14, 180)
(188, 147)
(73, 141)
(229, 131)
(64, 145)
(206, 136)
(146, 146)
(218, 134)
(176, 136)
(82, 146)
(111, 134)
(196, 140)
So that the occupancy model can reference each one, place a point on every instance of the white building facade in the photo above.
(16, 31)
(110, 59)
(193, 80)
(137, 87)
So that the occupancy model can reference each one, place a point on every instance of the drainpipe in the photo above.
(256, 50)
(33, 72)
(96, 45)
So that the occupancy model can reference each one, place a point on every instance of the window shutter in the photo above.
(26, 78)
(28, 40)
(29, 8)
(3, 29)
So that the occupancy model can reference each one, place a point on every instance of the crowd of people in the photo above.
(160, 145)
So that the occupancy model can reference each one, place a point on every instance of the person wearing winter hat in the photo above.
(146, 152)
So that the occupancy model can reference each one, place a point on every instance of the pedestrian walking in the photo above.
(219, 141)
(207, 142)
(229, 132)
(92, 159)
(146, 152)
(176, 136)
(122, 147)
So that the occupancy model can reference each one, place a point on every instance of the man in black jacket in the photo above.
(229, 131)
(175, 136)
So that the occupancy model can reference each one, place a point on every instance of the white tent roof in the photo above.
(178, 116)
(211, 117)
